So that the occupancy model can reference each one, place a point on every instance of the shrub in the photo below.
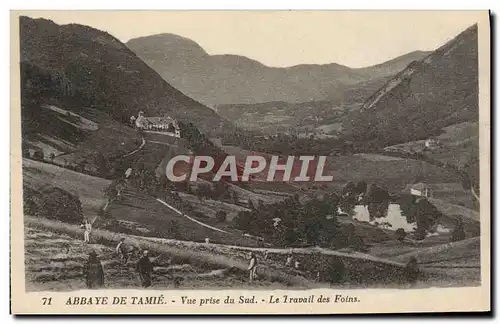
(357, 243)
(105, 214)
(221, 216)
(38, 155)
(419, 234)
(458, 233)
(199, 214)
(400, 234)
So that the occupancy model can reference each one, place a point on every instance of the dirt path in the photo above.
(136, 150)
(190, 218)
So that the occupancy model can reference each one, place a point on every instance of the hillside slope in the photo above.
(81, 67)
(438, 91)
(234, 79)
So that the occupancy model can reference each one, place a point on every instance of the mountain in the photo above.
(234, 79)
(428, 95)
(84, 68)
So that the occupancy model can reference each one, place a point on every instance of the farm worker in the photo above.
(145, 268)
(207, 240)
(121, 249)
(288, 261)
(253, 266)
(412, 270)
(266, 254)
(87, 226)
(297, 264)
(94, 273)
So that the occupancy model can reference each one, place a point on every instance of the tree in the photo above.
(204, 190)
(348, 189)
(243, 220)
(220, 191)
(377, 199)
(52, 156)
(458, 233)
(419, 234)
(80, 166)
(38, 155)
(105, 214)
(173, 229)
(357, 243)
(112, 190)
(400, 234)
(26, 153)
(221, 216)
(59, 204)
(361, 187)
(30, 201)
(335, 270)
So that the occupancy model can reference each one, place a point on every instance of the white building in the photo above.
(420, 190)
(165, 125)
(430, 143)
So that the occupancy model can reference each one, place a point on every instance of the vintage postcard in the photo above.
(250, 162)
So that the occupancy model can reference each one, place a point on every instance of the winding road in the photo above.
(137, 149)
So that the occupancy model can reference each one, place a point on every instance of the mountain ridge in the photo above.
(435, 92)
(236, 79)
(103, 72)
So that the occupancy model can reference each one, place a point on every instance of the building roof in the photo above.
(159, 120)
(142, 121)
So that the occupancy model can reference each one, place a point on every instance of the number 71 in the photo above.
(46, 301)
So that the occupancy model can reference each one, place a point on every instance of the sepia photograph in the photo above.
(264, 155)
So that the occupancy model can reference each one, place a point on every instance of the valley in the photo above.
(393, 198)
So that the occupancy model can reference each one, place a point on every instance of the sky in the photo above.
(286, 38)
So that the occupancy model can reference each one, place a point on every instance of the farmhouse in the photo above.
(431, 143)
(419, 189)
(165, 125)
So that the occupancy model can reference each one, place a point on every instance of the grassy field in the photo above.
(38, 175)
(454, 260)
(55, 257)
(458, 143)
(209, 207)
(157, 218)
(452, 210)
(91, 129)
(393, 173)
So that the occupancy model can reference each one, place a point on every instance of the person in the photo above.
(252, 267)
(121, 249)
(412, 271)
(145, 268)
(88, 229)
(289, 260)
(94, 273)
(266, 254)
